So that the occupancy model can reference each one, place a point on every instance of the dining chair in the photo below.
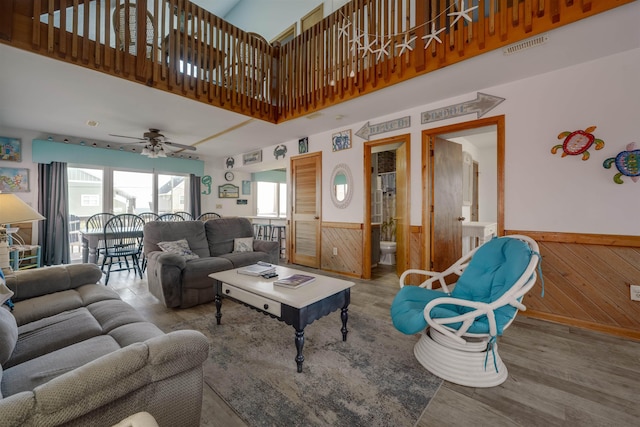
(170, 217)
(123, 237)
(208, 215)
(149, 216)
(185, 215)
(97, 222)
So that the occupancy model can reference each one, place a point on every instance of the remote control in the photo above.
(264, 264)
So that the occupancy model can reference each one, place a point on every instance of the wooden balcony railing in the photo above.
(176, 46)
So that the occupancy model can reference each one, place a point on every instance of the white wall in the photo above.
(543, 192)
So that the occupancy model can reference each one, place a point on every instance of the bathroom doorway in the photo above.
(387, 190)
(479, 215)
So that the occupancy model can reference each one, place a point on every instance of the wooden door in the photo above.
(446, 219)
(402, 214)
(306, 175)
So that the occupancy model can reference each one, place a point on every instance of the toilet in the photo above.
(387, 253)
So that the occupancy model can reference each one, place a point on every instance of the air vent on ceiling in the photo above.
(525, 44)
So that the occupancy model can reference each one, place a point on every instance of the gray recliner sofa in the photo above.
(179, 282)
(73, 353)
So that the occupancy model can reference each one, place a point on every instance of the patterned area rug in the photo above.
(372, 379)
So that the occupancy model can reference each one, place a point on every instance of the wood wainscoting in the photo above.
(346, 238)
(586, 282)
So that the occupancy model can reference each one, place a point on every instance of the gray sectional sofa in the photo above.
(73, 353)
(180, 282)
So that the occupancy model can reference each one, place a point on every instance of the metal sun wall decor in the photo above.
(627, 162)
(578, 142)
(280, 150)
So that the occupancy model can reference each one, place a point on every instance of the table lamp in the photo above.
(12, 210)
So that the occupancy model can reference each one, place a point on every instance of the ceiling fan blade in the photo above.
(176, 145)
(130, 137)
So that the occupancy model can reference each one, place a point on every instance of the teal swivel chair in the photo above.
(460, 323)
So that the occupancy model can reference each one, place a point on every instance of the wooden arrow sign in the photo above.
(481, 105)
(367, 130)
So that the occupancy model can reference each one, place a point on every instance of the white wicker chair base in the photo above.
(468, 368)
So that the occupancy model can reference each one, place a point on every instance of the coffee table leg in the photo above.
(344, 316)
(299, 345)
(218, 307)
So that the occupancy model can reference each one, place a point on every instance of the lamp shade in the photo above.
(13, 210)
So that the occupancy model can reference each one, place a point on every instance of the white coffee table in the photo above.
(296, 307)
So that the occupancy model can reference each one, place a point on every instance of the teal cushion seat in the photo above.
(407, 308)
(493, 270)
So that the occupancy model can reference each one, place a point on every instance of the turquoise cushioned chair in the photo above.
(461, 325)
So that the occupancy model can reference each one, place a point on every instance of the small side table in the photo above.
(23, 257)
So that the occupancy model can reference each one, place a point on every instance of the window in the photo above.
(132, 192)
(93, 190)
(271, 199)
(171, 193)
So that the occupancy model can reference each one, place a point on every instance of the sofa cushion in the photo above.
(222, 233)
(196, 272)
(168, 231)
(36, 308)
(113, 314)
(30, 374)
(53, 333)
(242, 259)
(243, 244)
(178, 247)
(8, 334)
(47, 280)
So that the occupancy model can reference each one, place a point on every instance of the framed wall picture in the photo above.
(246, 188)
(341, 140)
(228, 191)
(251, 158)
(10, 149)
(14, 180)
(303, 145)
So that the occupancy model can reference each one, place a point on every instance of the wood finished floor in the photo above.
(558, 375)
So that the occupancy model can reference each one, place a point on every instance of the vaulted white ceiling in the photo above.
(55, 98)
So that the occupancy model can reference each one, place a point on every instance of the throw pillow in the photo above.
(243, 244)
(179, 247)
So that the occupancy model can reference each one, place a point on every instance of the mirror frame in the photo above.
(341, 168)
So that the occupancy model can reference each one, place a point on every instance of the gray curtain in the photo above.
(53, 204)
(194, 194)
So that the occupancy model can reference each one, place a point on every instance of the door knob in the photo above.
(461, 218)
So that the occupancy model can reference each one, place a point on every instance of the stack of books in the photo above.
(259, 269)
(294, 281)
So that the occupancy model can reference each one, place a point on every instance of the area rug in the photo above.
(372, 379)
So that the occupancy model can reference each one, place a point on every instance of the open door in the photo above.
(402, 214)
(446, 219)
(401, 145)
(306, 174)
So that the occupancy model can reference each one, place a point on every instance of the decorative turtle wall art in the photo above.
(627, 162)
(578, 142)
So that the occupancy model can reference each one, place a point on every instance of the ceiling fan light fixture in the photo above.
(161, 152)
(145, 151)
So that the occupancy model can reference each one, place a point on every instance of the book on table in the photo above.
(294, 281)
(257, 270)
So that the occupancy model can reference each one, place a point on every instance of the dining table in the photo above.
(91, 239)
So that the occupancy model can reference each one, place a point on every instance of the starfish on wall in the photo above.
(382, 50)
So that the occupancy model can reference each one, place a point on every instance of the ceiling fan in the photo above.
(155, 142)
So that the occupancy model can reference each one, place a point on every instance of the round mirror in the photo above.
(341, 186)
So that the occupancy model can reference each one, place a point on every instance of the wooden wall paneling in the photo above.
(347, 239)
